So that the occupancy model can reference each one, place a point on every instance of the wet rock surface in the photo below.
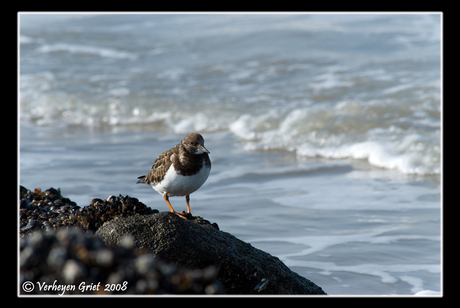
(241, 268)
(138, 250)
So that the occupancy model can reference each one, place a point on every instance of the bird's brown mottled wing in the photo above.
(159, 168)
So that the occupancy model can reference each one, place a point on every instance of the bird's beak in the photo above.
(203, 149)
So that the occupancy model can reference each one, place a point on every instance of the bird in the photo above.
(180, 170)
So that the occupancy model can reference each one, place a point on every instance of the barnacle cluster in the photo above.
(50, 210)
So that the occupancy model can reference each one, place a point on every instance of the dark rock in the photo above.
(197, 244)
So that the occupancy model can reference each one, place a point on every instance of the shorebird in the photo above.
(180, 171)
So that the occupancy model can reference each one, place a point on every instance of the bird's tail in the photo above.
(141, 179)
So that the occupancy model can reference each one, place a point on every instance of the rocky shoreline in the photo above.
(121, 246)
(47, 210)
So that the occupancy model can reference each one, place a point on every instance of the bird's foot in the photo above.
(184, 215)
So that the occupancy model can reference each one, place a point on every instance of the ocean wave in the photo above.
(411, 146)
(372, 131)
(84, 49)
(400, 154)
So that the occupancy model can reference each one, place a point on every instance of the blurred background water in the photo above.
(324, 129)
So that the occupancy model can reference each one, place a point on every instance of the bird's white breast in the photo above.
(178, 185)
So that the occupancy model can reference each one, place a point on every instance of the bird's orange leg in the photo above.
(169, 203)
(165, 196)
(187, 199)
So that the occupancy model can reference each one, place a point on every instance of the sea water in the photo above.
(324, 129)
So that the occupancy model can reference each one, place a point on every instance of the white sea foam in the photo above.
(330, 80)
(76, 49)
(196, 122)
(23, 39)
(389, 155)
(347, 129)
(428, 293)
(341, 132)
